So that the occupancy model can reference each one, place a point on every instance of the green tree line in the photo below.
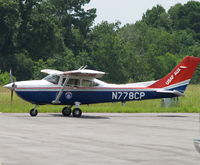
(60, 34)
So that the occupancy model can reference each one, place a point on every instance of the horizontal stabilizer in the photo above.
(175, 92)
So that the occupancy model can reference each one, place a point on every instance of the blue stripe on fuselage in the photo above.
(180, 88)
(89, 97)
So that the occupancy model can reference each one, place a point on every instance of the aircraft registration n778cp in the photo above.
(81, 86)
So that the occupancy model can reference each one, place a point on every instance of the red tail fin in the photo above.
(182, 72)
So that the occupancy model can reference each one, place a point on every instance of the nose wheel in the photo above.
(33, 112)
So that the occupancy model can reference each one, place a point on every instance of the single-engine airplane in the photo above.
(81, 86)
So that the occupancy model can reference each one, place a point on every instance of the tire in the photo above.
(66, 111)
(77, 112)
(33, 112)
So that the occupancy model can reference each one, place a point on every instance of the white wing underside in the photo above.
(77, 73)
(51, 71)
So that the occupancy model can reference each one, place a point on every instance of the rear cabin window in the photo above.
(88, 83)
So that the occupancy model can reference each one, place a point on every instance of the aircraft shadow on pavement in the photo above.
(82, 117)
(178, 116)
(148, 116)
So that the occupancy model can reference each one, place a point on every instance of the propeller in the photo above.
(13, 85)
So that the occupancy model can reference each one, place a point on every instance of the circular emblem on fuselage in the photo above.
(68, 95)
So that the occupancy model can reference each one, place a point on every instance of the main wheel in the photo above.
(66, 111)
(33, 112)
(77, 112)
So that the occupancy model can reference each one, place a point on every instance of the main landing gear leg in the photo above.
(33, 112)
(77, 111)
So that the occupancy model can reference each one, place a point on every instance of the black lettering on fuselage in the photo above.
(128, 95)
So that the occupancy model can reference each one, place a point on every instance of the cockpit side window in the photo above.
(72, 82)
(79, 83)
(52, 79)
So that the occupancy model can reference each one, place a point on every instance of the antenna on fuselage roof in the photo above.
(82, 67)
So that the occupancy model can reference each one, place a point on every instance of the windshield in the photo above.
(52, 79)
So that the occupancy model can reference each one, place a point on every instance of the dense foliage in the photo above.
(59, 34)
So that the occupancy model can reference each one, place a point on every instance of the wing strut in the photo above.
(57, 100)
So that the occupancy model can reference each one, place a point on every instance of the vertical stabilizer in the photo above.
(180, 75)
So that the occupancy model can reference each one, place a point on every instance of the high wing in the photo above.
(85, 73)
(51, 71)
(78, 73)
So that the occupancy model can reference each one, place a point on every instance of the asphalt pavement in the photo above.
(99, 139)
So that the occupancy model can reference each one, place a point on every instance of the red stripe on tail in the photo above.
(183, 71)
